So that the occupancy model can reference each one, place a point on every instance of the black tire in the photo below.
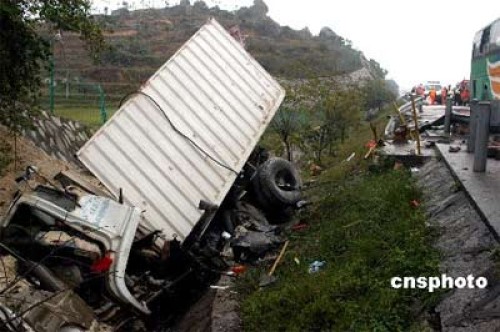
(277, 184)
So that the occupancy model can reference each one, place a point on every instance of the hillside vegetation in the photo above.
(142, 40)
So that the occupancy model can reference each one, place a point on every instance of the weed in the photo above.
(366, 230)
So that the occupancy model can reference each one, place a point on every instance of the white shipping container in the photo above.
(184, 137)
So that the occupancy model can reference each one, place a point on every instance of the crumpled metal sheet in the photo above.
(255, 241)
(65, 308)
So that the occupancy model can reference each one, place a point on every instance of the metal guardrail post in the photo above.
(471, 141)
(447, 116)
(415, 120)
(482, 136)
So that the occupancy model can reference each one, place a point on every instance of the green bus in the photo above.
(485, 67)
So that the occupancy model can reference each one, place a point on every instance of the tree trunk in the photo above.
(288, 151)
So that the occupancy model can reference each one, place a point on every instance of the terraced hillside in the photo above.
(141, 40)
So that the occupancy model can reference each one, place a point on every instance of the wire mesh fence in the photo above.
(90, 103)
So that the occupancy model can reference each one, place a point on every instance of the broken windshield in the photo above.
(59, 198)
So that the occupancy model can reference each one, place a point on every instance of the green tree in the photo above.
(377, 93)
(24, 50)
(289, 120)
(335, 110)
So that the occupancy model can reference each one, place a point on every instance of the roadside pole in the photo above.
(447, 116)
(471, 142)
(482, 136)
(102, 104)
(415, 120)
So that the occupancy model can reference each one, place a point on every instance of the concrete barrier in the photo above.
(59, 138)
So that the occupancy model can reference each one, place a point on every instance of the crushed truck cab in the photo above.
(111, 225)
(188, 190)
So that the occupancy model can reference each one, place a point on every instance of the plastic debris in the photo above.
(296, 260)
(219, 287)
(316, 266)
(414, 203)
(299, 227)
(239, 269)
(302, 203)
(371, 144)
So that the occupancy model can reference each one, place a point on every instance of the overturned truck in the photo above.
(186, 184)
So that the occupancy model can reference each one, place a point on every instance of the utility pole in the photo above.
(57, 37)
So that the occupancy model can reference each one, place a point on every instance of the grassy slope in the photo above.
(88, 115)
(365, 229)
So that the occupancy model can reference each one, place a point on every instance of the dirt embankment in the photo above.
(26, 154)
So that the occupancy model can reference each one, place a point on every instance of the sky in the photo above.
(416, 41)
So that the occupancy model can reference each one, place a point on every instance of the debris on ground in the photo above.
(415, 203)
(316, 266)
(315, 169)
(300, 226)
(239, 269)
(268, 278)
(250, 245)
(351, 157)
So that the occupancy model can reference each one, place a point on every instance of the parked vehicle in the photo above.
(436, 85)
(485, 70)
(186, 183)
(485, 64)
(429, 85)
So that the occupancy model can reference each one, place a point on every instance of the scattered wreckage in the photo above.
(187, 191)
(430, 121)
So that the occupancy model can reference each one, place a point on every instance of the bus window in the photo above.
(485, 40)
(475, 44)
(495, 34)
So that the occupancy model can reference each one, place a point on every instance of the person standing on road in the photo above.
(444, 95)
(420, 90)
(432, 96)
(458, 101)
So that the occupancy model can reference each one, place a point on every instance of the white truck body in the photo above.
(210, 104)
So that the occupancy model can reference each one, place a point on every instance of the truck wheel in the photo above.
(277, 184)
